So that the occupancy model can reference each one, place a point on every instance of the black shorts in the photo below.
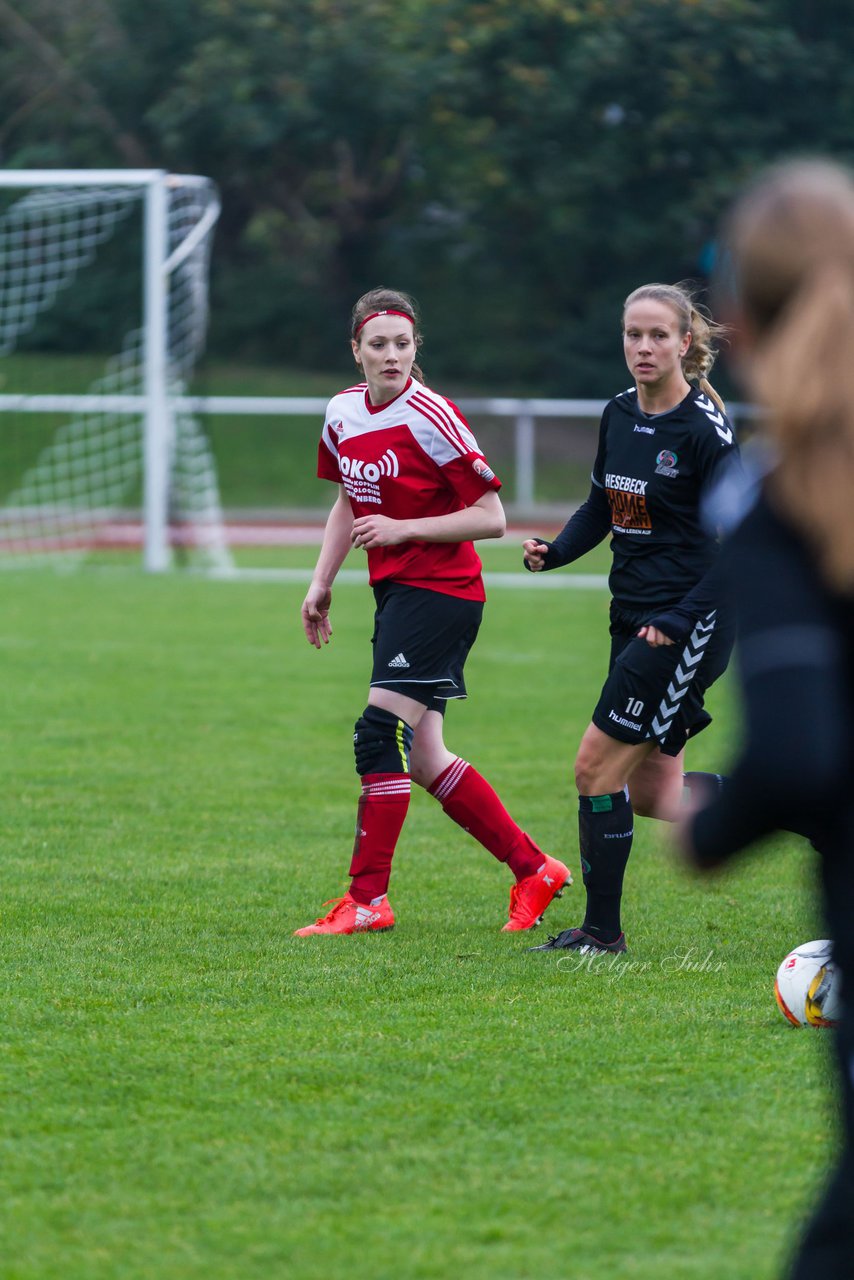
(656, 693)
(421, 641)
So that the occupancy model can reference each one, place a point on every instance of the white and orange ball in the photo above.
(807, 986)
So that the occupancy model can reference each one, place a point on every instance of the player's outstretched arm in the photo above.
(333, 552)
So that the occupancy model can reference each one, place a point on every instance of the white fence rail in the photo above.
(524, 412)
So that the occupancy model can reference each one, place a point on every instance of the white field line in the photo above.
(538, 581)
(304, 535)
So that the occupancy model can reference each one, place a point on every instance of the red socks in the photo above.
(471, 802)
(382, 810)
(465, 796)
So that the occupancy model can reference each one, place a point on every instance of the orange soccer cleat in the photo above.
(530, 897)
(349, 916)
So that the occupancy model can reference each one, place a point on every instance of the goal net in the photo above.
(103, 314)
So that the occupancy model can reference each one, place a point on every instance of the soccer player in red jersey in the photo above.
(414, 493)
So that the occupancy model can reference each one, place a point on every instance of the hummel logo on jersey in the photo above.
(647, 431)
(399, 661)
(713, 413)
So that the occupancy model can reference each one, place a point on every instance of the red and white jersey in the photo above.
(412, 457)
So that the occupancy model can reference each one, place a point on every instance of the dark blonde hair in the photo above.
(790, 254)
(382, 299)
(700, 357)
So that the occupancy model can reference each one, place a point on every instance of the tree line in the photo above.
(517, 167)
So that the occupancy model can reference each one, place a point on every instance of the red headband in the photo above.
(374, 314)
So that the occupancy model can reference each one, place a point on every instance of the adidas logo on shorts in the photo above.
(399, 661)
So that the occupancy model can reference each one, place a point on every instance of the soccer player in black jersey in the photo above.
(660, 443)
(790, 561)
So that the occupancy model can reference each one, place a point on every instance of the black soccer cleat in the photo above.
(578, 940)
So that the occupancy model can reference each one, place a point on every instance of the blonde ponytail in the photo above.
(790, 243)
(804, 374)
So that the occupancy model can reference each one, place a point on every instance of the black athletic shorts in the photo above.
(656, 693)
(421, 641)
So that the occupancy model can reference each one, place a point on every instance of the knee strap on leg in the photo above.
(382, 742)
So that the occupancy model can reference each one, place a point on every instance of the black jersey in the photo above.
(796, 663)
(653, 471)
(796, 667)
(648, 478)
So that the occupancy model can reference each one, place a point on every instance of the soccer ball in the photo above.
(807, 986)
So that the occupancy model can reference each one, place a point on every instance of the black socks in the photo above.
(605, 828)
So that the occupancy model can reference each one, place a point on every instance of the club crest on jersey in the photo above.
(666, 463)
(482, 469)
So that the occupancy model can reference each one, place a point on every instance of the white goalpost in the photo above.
(127, 449)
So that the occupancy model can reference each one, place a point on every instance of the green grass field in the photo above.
(189, 1091)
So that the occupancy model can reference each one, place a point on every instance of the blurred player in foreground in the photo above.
(789, 255)
(414, 493)
(660, 443)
